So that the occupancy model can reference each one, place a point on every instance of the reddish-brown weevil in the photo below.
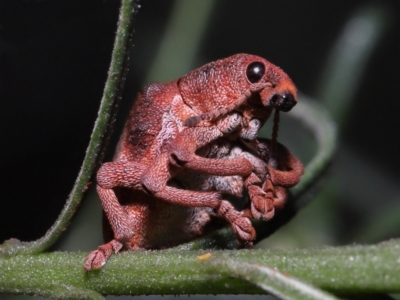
(169, 130)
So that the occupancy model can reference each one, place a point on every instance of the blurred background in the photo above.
(54, 57)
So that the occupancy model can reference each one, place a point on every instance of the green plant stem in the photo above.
(349, 269)
(95, 149)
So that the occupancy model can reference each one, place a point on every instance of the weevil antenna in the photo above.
(275, 130)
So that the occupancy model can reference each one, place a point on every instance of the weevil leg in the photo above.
(284, 171)
(182, 153)
(281, 196)
(154, 181)
(220, 167)
(276, 174)
(288, 170)
(96, 259)
(262, 206)
(241, 225)
(115, 174)
(260, 203)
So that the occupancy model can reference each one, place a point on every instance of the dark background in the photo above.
(54, 57)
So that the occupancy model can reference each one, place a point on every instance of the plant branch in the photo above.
(98, 139)
(349, 269)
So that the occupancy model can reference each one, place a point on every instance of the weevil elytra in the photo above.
(169, 133)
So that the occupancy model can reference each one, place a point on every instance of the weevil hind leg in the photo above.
(110, 176)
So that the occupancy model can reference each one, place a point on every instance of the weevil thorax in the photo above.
(219, 84)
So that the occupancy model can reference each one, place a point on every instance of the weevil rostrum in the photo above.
(185, 146)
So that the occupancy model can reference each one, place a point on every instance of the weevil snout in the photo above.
(283, 101)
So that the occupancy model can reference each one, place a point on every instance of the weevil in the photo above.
(145, 205)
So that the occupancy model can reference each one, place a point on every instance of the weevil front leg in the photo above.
(155, 179)
(284, 171)
(261, 200)
(286, 168)
(182, 151)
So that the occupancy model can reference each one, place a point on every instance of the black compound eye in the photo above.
(255, 71)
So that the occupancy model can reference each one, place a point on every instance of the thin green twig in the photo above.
(280, 285)
(95, 149)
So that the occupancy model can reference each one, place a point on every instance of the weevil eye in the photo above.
(255, 71)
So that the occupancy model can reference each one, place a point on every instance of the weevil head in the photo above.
(277, 90)
(220, 83)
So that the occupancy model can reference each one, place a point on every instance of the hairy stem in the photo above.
(349, 269)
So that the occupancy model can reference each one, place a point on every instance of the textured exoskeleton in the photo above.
(145, 206)
(274, 175)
